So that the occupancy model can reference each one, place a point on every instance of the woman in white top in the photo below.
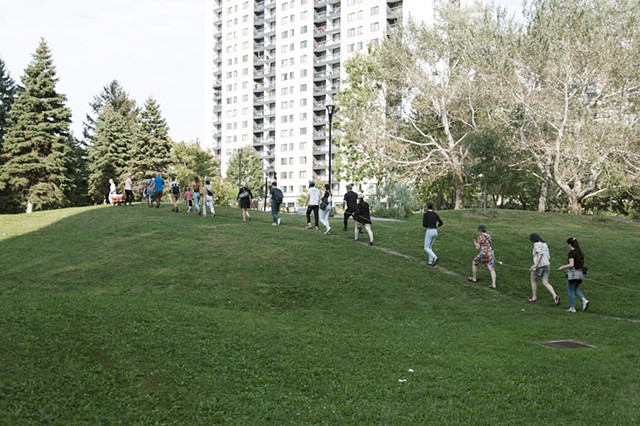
(325, 209)
(541, 268)
(112, 190)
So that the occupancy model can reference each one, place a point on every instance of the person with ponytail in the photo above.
(575, 274)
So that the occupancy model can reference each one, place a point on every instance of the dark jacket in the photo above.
(362, 214)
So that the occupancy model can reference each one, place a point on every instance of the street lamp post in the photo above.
(330, 109)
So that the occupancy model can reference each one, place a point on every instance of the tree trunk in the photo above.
(29, 206)
(458, 184)
(575, 207)
(544, 193)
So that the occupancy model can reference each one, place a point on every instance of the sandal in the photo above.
(491, 287)
(471, 280)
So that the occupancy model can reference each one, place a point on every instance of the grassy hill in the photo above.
(144, 316)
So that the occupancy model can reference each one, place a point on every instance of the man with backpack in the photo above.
(174, 188)
(276, 199)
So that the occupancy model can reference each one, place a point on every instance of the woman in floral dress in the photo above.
(484, 258)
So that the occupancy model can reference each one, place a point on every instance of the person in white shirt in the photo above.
(541, 268)
(313, 202)
(208, 200)
(128, 190)
(112, 190)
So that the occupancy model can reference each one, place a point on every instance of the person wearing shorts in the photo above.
(541, 268)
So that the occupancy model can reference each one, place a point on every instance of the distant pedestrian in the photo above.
(431, 221)
(276, 196)
(363, 219)
(112, 190)
(575, 274)
(244, 201)
(313, 205)
(349, 204)
(128, 190)
(158, 188)
(208, 200)
(197, 191)
(325, 209)
(150, 191)
(188, 199)
(485, 257)
(174, 189)
(541, 268)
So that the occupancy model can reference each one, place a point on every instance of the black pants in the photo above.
(128, 196)
(315, 214)
(347, 215)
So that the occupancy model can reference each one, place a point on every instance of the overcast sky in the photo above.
(152, 47)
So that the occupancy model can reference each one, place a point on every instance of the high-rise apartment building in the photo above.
(272, 67)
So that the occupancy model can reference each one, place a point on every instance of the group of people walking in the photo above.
(320, 206)
(541, 267)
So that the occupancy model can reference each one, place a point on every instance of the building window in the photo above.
(375, 26)
(303, 130)
(303, 160)
(303, 87)
(303, 29)
(375, 10)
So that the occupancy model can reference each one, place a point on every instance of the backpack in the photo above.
(175, 188)
(277, 196)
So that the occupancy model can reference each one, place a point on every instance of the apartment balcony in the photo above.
(318, 3)
(319, 119)
(394, 12)
(319, 135)
(259, 6)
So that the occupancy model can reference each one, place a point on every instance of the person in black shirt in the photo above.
(575, 264)
(363, 219)
(349, 204)
(431, 221)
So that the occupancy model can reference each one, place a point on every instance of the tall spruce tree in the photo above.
(110, 152)
(152, 152)
(7, 96)
(36, 142)
(112, 94)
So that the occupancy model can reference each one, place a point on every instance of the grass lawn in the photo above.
(143, 316)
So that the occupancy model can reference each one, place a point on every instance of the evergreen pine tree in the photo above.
(112, 94)
(7, 96)
(152, 152)
(109, 154)
(36, 149)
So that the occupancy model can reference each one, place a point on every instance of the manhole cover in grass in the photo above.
(566, 344)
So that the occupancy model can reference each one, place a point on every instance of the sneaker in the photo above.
(328, 231)
(556, 300)
(435, 261)
(274, 224)
(532, 300)
(572, 309)
(308, 226)
(315, 228)
(585, 305)
(279, 220)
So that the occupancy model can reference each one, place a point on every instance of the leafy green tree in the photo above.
(574, 75)
(424, 93)
(246, 166)
(152, 148)
(7, 96)
(109, 155)
(191, 160)
(37, 169)
(394, 199)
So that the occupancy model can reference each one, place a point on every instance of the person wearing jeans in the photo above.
(431, 221)
(575, 264)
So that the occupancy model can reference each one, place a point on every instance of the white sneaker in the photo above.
(279, 220)
(572, 309)
(328, 231)
(274, 224)
(585, 305)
